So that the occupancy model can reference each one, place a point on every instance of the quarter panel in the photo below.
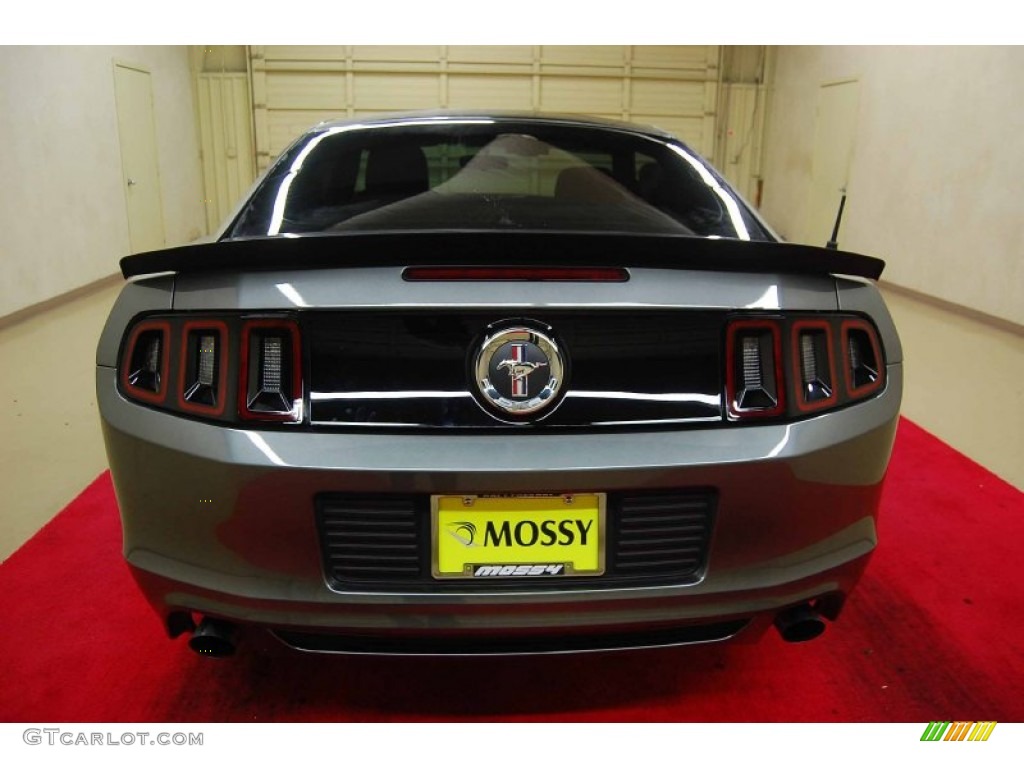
(857, 295)
(142, 295)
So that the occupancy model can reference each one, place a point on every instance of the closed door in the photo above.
(136, 129)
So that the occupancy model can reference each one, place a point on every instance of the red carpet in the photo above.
(934, 633)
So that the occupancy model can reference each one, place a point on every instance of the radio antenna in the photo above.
(833, 241)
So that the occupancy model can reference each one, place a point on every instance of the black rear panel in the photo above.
(381, 542)
(413, 369)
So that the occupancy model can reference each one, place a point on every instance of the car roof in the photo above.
(500, 116)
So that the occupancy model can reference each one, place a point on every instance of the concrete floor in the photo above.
(964, 383)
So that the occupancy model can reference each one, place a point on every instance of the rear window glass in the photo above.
(492, 176)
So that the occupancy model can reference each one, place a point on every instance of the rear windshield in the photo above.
(485, 175)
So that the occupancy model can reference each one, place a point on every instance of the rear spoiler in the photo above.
(402, 249)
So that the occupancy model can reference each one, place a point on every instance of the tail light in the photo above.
(820, 361)
(814, 365)
(754, 382)
(203, 370)
(863, 367)
(144, 367)
(228, 368)
(270, 384)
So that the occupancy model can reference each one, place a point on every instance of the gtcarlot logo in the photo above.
(944, 730)
(60, 737)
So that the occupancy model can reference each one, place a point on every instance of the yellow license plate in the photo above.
(500, 537)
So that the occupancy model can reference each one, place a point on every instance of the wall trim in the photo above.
(60, 299)
(1001, 323)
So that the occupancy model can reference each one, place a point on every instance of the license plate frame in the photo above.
(514, 518)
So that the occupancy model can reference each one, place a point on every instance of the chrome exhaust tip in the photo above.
(214, 638)
(799, 624)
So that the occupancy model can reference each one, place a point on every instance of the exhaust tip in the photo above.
(799, 624)
(214, 638)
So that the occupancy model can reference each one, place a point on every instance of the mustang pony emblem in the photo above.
(519, 369)
(504, 362)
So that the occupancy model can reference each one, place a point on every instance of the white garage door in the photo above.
(673, 87)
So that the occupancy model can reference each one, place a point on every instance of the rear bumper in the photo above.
(513, 623)
(220, 522)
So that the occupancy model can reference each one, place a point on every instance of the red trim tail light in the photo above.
(203, 368)
(754, 381)
(814, 369)
(863, 365)
(822, 361)
(144, 367)
(227, 368)
(270, 381)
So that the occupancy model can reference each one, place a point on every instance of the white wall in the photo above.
(63, 220)
(937, 178)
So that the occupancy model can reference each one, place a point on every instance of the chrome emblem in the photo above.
(519, 370)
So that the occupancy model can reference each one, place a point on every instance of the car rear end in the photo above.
(497, 442)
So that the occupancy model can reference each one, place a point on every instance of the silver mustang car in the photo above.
(492, 383)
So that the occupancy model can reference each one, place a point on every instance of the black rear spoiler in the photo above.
(441, 248)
